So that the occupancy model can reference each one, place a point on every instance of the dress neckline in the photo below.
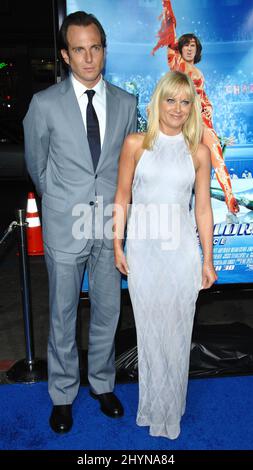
(171, 137)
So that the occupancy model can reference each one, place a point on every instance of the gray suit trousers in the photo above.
(65, 271)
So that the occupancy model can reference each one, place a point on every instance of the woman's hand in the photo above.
(120, 261)
(209, 275)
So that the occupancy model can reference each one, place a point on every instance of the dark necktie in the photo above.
(93, 129)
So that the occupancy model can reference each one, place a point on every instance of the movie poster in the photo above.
(225, 30)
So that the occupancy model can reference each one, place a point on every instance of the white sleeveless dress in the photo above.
(164, 280)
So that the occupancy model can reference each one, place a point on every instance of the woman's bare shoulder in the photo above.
(135, 140)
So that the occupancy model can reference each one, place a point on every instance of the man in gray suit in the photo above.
(73, 138)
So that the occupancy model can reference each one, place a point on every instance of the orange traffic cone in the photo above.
(33, 231)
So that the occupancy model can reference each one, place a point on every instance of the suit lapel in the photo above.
(72, 112)
(112, 106)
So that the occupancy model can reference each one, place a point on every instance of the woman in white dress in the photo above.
(158, 171)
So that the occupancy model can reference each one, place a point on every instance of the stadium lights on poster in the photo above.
(226, 34)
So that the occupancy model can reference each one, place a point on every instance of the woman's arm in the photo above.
(123, 195)
(203, 213)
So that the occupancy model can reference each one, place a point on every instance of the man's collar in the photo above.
(80, 89)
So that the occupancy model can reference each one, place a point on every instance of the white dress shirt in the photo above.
(98, 101)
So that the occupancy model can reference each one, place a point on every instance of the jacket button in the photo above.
(91, 203)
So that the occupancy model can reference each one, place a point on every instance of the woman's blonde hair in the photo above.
(169, 86)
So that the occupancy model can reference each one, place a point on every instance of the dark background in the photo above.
(27, 46)
(28, 63)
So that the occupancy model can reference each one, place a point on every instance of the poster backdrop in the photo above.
(225, 28)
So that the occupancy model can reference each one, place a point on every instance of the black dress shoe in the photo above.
(61, 418)
(109, 404)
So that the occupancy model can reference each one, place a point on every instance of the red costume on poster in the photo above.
(176, 61)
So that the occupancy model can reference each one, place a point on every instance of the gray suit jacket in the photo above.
(60, 164)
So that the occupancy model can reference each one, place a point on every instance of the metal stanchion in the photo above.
(29, 369)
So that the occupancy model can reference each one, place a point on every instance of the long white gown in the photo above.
(164, 280)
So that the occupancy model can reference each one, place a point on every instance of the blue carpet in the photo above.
(219, 415)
